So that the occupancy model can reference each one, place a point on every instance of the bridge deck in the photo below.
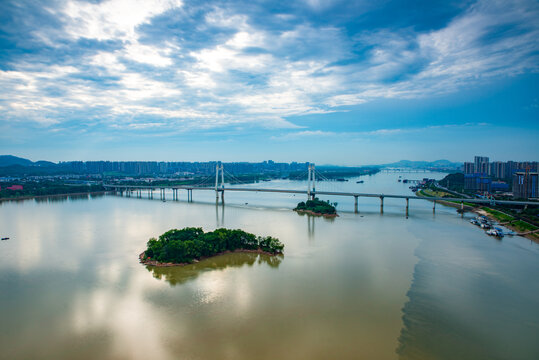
(331, 193)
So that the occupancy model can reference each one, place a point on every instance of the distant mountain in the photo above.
(15, 166)
(446, 164)
(44, 163)
(8, 160)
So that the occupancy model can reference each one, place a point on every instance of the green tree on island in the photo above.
(188, 244)
(316, 206)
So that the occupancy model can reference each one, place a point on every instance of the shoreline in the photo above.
(28, 197)
(447, 202)
(310, 212)
(507, 225)
(160, 264)
(479, 211)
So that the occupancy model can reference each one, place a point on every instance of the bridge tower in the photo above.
(311, 177)
(219, 187)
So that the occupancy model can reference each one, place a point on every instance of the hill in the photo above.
(9, 160)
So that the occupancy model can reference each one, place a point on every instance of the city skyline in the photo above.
(344, 83)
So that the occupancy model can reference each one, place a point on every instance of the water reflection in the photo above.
(219, 215)
(176, 275)
(310, 227)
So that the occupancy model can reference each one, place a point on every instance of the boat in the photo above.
(485, 226)
(360, 182)
(5, 238)
(475, 222)
(495, 232)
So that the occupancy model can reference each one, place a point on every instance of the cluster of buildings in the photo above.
(12, 187)
(499, 176)
(178, 168)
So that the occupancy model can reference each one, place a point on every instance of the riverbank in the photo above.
(457, 205)
(144, 260)
(495, 215)
(310, 212)
(508, 224)
(28, 197)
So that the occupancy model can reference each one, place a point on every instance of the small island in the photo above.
(188, 245)
(317, 207)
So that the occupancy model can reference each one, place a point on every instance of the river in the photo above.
(361, 286)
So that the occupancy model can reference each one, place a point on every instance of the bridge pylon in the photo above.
(311, 192)
(219, 187)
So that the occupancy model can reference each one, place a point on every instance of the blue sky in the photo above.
(341, 82)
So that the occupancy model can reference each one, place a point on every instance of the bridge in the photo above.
(311, 192)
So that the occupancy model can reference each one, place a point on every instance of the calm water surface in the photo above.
(361, 286)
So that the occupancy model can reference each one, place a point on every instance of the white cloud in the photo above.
(304, 134)
(372, 133)
(148, 54)
(254, 75)
(112, 19)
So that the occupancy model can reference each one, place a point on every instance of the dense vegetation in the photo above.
(317, 206)
(521, 222)
(453, 182)
(45, 188)
(188, 244)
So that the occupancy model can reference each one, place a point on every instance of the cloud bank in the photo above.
(165, 66)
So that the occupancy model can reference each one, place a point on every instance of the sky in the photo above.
(331, 82)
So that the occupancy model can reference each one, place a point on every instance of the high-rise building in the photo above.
(481, 165)
(497, 169)
(525, 185)
(468, 168)
(477, 182)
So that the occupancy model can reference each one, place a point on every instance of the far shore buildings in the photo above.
(526, 185)
(484, 176)
(13, 187)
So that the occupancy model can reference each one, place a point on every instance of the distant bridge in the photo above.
(311, 192)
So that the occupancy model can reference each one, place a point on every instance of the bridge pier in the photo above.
(407, 206)
(356, 207)
(381, 204)
(223, 196)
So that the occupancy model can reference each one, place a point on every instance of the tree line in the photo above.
(317, 206)
(190, 243)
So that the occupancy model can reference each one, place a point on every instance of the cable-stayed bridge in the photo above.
(311, 192)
